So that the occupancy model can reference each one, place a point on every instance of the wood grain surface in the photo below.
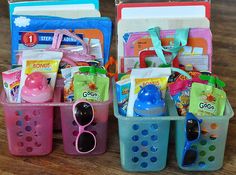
(224, 63)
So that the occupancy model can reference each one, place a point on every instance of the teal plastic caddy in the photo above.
(211, 145)
(144, 140)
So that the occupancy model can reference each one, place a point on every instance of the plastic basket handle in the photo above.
(180, 40)
(71, 57)
(58, 36)
(173, 69)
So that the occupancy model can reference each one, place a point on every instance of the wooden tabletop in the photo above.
(224, 63)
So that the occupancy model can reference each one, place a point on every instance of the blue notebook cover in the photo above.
(34, 23)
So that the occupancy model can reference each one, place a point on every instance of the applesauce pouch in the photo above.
(207, 100)
(91, 84)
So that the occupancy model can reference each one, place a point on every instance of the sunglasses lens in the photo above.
(189, 157)
(192, 130)
(83, 113)
(86, 142)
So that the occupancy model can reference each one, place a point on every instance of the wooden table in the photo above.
(224, 62)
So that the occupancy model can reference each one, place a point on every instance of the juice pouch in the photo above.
(122, 91)
(92, 86)
(207, 100)
(11, 83)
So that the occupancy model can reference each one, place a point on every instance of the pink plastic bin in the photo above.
(29, 126)
(98, 127)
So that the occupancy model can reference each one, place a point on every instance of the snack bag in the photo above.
(68, 75)
(91, 84)
(207, 100)
(180, 91)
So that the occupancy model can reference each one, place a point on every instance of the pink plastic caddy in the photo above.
(29, 126)
(98, 127)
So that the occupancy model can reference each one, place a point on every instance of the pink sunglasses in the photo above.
(83, 114)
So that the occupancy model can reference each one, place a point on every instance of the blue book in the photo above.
(36, 23)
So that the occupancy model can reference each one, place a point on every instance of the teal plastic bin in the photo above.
(144, 141)
(211, 145)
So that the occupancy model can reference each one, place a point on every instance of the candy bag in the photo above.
(91, 84)
(207, 100)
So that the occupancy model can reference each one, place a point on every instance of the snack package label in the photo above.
(46, 66)
(161, 83)
(14, 84)
(207, 100)
(181, 100)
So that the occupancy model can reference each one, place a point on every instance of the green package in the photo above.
(91, 87)
(207, 100)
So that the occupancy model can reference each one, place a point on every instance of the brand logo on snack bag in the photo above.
(208, 103)
(92, 86)
(125, 91)
(14, 84)
(159, 82)
(91, 95)
(46, 66)
(90, 92)
(206, 106)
